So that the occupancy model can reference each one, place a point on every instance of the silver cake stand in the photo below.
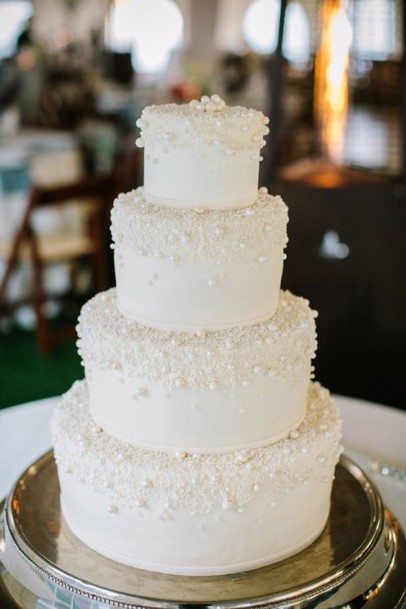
(359, 561)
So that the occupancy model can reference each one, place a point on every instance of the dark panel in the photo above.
(362, 297)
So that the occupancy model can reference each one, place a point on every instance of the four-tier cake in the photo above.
(197, 445)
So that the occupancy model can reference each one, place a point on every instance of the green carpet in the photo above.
(27, 375)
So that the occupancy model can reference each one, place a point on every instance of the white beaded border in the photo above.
(208, 122)
(280, 347)
(196, 235)
(141, 479)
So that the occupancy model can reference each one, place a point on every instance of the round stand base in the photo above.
(358, 561)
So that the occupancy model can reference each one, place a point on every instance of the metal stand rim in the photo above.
(320, 586)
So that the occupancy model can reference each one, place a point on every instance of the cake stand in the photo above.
(359, 561)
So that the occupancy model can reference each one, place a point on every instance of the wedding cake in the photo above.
(198, 444)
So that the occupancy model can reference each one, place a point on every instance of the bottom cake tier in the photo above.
(195, 514)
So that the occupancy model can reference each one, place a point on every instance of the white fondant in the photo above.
(197, 420)
(219, 542)
(187, 296)
(200, 177)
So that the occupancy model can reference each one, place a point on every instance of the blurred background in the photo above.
(331, 74)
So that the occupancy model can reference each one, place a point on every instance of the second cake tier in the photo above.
(184, 269)
(202, 392)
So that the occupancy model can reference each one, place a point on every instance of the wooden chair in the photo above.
(40, 251)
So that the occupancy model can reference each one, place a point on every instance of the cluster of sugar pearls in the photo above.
(281, 347)
(196, 235)
(208, 104)
(229, 129)
(160, 482)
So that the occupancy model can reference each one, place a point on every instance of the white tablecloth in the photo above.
(378, 432)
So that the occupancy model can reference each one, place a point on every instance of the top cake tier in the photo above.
(202, 154)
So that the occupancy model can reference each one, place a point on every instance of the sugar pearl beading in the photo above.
(206, 121)
(225, 358)
(162, 482)
(208, 104)
(193, 235)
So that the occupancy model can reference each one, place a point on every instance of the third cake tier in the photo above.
(203, 392)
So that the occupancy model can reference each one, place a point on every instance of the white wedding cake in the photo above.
(197, 444)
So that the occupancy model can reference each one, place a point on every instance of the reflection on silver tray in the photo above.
(358, 561)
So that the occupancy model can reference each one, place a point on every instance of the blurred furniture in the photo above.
(376, 431)
(41, 251)
(117, 67)
(347, 250)
(129, 168)
(46, 158)
(347, 254)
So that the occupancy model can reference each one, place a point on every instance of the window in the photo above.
(150, 29)
(14, 15)
(374, 23)
(260, 25)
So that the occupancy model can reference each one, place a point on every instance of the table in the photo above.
(370, 432)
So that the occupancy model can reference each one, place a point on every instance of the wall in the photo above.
(228, 33)
(81, 17)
